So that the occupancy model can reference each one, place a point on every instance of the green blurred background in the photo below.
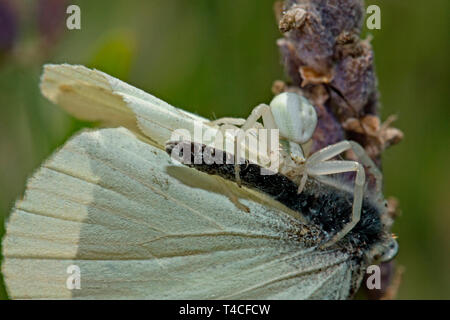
(217, 58)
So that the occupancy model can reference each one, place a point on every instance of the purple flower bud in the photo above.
(51, 15)
(8, 26)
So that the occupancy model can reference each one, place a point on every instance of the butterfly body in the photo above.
(325, 205)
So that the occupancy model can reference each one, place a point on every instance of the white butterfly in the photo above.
(140, 226)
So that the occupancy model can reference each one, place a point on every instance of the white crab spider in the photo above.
(296, 119)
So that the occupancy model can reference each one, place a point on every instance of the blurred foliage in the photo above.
(219, 58)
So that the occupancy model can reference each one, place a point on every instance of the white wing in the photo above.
(140, 226)
(96, 96)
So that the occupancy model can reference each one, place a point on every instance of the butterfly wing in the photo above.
(92, 95)
(140, 226)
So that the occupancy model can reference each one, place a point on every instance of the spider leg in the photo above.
(332, 167)
(224, 125)
(335, 149)
(370, 165)
(223, 129)
(330, 151)
(228, 121)
(238, 135)
(261, 111)
(302, 183)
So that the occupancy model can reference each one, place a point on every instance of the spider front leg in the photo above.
(227, 124)
(317, 165)
(261, 111)
(371, 166)
(333, 167)
(228, 121)
(335, 149)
